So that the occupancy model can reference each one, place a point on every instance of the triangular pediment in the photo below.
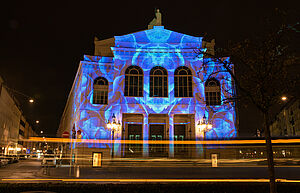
(156, 37)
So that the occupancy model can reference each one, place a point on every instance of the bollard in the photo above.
(48, 171)
(77, 172)
(44, 170)
(214, 160)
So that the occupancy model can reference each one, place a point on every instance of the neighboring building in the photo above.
(155, 85)
(25, 132)
(287, 121)
(13, 126)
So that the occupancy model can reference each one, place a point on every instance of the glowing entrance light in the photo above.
(204, 126)
(113, 126)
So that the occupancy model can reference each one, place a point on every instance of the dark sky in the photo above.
(42, 42)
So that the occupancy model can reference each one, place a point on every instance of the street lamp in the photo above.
(113, 126)
(283, 98)
(203, 127)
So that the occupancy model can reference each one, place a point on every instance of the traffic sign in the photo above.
(66, 134)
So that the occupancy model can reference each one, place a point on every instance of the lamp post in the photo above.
(203, 127)
(113, 126)
(124, 145)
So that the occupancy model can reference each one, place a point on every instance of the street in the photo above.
(22, 169)
(31, 169)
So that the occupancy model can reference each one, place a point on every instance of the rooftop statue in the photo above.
(156, 21)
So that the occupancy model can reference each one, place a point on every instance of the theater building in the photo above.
(155, 86)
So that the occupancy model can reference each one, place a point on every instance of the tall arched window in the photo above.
(100, 87)
(212, 92)
(134, 84)
(158, 82)
(183, 82)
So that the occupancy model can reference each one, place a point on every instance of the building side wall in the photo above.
(9, 119)
(71, 112)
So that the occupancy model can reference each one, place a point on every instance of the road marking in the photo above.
(154, 180)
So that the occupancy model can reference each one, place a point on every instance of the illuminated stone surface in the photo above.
(147, 49)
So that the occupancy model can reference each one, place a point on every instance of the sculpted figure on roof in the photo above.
(156, 21)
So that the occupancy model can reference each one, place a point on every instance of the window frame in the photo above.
(212, 100)
(100, 90)
(164, 80)
(130, 77)
(188, 85)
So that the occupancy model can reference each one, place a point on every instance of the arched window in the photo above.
(183, 82)
(158, 82)
(100, 87)
(212, 92)
(134, 84)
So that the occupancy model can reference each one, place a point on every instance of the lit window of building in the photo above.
(134, 84)
(212, 92)
(100, 91)
(183, 82)
(158, 82)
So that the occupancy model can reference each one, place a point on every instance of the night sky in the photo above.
(42, 42)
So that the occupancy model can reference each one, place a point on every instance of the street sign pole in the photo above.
(71, 154)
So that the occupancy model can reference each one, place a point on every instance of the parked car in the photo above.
(3, 161)
(14, 158)
(49, 160)
(10, 158)
(23, 156)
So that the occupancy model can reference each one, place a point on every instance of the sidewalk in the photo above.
(166, 162)
(167, 168)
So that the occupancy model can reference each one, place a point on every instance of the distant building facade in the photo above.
(287, 121)
(156, 86)
(13, 126)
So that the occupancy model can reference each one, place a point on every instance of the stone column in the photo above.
(145, 136)
(171, 135)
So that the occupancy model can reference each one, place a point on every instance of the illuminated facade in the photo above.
(155, 84)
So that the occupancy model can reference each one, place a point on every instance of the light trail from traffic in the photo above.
(209, 142)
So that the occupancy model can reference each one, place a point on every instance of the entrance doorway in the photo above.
(180, 150)
(157, 133)
(135, 132)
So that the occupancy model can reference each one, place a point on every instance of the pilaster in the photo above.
(171, 135)
(145, 135)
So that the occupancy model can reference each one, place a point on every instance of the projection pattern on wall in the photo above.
(146, 49)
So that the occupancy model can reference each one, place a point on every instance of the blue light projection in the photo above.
(146, 49)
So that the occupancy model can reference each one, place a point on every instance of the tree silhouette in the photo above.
(263, 69)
